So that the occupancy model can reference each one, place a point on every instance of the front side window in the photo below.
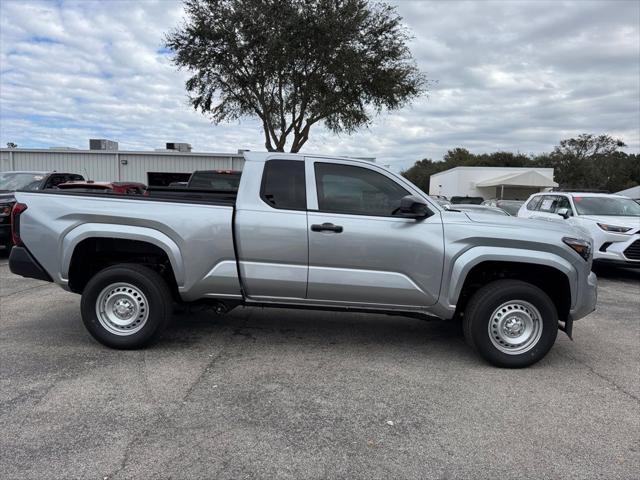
(283, 185)
(563, 202)
(534, 203)
(548, 203)
(356, 190)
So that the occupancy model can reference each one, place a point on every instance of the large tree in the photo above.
(294, 63)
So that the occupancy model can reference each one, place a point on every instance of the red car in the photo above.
(122, 188)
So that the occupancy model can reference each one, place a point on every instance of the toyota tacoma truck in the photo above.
(307, 232)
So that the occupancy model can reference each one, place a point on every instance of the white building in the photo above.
(151, 168)
(513, 183)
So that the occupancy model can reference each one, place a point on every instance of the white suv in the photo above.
(613, 221)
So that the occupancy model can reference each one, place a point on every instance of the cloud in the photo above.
(513, 76)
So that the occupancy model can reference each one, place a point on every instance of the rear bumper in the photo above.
(22, 263)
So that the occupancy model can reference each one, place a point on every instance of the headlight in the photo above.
(613, 228)
(582, 247)
(5, 210)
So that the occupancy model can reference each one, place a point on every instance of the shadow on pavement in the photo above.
(616, 273)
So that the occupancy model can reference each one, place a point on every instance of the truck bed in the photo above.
(194, 228)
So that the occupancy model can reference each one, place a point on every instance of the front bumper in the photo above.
(587, 297)
(22, 263)
(616, 248)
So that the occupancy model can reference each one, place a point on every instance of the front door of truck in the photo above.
(360, 253)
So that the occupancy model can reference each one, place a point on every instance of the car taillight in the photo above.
(18, 208)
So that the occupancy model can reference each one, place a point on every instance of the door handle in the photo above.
(326, 227)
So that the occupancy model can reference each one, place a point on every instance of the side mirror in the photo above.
(564, 213)
(413, 207)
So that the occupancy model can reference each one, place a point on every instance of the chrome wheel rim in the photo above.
(122, 309)
(515, 327)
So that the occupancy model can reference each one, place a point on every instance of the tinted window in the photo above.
(534, 203)
(283, 185)
(218, 181)
(348, 189)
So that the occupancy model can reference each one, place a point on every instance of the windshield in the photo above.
(13, 181)
(606, 206)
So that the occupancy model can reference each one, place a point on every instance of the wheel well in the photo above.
(548, 279)
(93, 254)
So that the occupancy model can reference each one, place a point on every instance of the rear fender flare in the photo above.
(127, 232)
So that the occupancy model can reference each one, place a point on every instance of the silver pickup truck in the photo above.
(307, 232)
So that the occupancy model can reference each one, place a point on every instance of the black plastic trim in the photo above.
(22, 263)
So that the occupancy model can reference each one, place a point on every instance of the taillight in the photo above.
(18, 208)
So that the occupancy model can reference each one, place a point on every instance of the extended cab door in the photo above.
(271, 230)
(359, 252)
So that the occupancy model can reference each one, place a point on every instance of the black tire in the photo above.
(478, 315)
(158, 305)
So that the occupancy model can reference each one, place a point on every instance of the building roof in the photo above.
(176, 153)
(529, 178)
(479, 167)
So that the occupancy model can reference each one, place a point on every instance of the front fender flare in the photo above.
(463, 264)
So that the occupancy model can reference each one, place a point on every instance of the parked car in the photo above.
(308, 232)
(509, 206)
(12, 181)
(478, 209)
(467, 200)
(130, 188)
(612, 221)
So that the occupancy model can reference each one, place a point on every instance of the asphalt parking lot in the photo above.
(291, 394)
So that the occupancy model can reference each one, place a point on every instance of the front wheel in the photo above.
(126, 306)
(511, 323)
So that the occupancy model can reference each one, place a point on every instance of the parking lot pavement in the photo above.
(298, 394)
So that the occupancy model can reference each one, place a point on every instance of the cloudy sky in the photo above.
(511, 75)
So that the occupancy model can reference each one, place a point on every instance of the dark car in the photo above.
(12, 181)
(467, 200)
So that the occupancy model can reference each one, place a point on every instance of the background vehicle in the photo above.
(12, 181)
(509, 206)
(122, 188)
(440, 200)
(307, 232)
(612, 221)
(478, 209)
(217, 180)
(467, 200)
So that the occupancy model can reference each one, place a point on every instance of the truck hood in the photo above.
(619, 220)
(560, 225)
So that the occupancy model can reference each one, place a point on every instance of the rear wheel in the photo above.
(511, 323)
(126, 306)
